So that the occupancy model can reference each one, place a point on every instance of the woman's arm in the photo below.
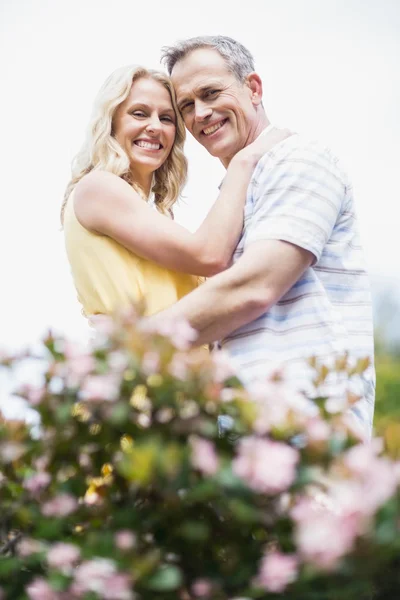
(106, 204)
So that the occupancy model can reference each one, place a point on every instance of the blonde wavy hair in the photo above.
(101, 151)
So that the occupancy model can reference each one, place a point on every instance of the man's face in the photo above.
(218, 110)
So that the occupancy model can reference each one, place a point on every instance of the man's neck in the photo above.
(261, 128)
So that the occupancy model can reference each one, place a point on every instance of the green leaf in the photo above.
(139, 464)
(228, 479)
(195, 531)
(8, 565)
(119, 413)
(167, 578)
(245, 513)
(202, 491)
(58, 581)
(63, 412)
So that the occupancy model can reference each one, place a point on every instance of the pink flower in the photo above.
(63, 556)
(326, 538)
(204, 457)
(279, 406)
(183, 335)
(201, 588)
(223, 367)
(84, 460)
(100, 387)
(318, 430)
(39, 589)
(92, 498)
(150, 363)
(79, 363)
(266, 466)
(377, 486)
(28, 546)
(118, 587)
(99, 575)
(92, 575)
(60, 506)
(277, 571)
(360, 457)
(347, 500)
(324, 535)
(10, 451)
(103, 324)
(178, 331)
(178, 366)
(42, 462)
(305, 508)
(374, 478)
(37, 482)
(228, 394)
(125, 539)
(33, 394)
(117, 361)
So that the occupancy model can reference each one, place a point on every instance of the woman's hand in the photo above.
(265, 142)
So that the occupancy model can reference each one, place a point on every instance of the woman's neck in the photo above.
(143, 182)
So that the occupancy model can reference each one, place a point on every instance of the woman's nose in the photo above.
(154, 124)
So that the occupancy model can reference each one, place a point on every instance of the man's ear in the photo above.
(254, 83)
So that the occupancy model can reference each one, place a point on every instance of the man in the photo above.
(298, 286)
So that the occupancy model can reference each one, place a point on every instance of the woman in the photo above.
(122, 244)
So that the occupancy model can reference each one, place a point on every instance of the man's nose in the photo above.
(202, 111)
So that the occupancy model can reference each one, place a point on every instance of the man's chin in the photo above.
(218, 150)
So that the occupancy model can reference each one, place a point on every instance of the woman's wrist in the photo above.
(246, 158)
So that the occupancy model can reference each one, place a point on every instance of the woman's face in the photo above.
(145, 124)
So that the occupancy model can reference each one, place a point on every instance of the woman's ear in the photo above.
(254, 83)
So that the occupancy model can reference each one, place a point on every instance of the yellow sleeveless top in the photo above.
(108, 277)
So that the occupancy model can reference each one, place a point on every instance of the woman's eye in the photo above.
(138, 113)
(166, 118)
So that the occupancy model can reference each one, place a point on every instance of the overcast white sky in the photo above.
(330, 68)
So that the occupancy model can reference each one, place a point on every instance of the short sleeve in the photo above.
(297, 198)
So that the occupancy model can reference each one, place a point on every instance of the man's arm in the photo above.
(257, 281)
(296, 206)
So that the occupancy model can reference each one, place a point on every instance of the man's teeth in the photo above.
(150, 146)
(213, 128)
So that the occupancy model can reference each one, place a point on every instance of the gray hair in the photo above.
(237, 58)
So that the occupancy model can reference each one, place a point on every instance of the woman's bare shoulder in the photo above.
(97, 194)
(99, 181)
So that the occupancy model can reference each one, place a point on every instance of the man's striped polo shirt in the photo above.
(299, 193)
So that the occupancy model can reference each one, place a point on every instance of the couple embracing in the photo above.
(285, 274)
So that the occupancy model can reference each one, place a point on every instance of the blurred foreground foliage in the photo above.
(128, 490)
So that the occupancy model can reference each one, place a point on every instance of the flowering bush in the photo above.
(128, 490)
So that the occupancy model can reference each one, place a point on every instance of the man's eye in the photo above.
(186, 106)
(212, 93)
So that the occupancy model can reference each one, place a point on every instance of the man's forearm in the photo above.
(216, 308)
(242, 293)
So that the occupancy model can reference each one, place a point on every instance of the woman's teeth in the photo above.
(147, 145)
